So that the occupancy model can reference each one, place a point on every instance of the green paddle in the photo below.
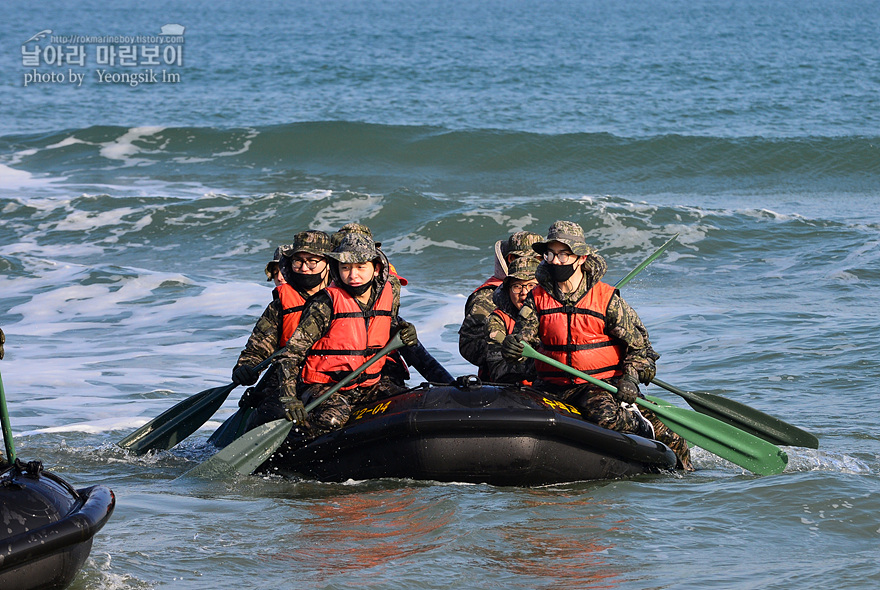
(7, 428)
(645, 263)
(178, 422)
(745, 418)
(231, 428)
(248, 452)
(735, 413)
(724, 440)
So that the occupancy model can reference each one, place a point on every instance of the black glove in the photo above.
(245, 375)
(408, 334)
(248, 399)
(627, 389)
(512, 349)
(648, 372)
(293, 409)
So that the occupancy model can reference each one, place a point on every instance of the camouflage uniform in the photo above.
(621, 323)
(472, 334)
(495, 368)
(267, 333)
(314, 324)
(416, 356)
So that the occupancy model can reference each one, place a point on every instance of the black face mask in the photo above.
(303, 282)
(560, 272)
(359, 290)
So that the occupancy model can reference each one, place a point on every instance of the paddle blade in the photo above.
(632, 274)
(662, 402)
(178, 422)
(246, 453)
(231, 429)
(746, 418)
(724, 440)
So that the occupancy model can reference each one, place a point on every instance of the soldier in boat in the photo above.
(299, 270)
(341, 327)
(472, 334)
(575, 318)
(508, 298)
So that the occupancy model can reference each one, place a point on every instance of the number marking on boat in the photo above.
(558, 405)
(377, 409)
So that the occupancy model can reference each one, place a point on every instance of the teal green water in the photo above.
(135, 223)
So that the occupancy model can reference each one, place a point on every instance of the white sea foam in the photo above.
(124, 149)
(345, 208)
(67, 141)
(415, 244)
(248, 140)
(510, 223)
(12, 179)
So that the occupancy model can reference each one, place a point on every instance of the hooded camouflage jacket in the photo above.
(479, 304)
(621, 321)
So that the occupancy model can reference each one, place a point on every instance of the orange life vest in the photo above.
(492, 281)
(353, 337)
(575, 335)
(292, 305)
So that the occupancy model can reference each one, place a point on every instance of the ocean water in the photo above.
(135, 222)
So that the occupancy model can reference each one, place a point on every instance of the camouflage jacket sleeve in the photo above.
(472, 334)
(264, 337)
(395, 303)
(495, 368)
(313, 324)
(641, 328)
(622, 323)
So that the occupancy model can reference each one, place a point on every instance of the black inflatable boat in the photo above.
(46, 526)
(495, 434)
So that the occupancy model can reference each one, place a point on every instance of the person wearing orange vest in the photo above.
(299, 270)
(416, 356)
(575, 318)
(472, 333)
(341, 328)
(508, 298)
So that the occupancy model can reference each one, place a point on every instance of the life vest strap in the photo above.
(569, 310)
(574, 347)
(554, 372)
(363, 314)
(328, 352)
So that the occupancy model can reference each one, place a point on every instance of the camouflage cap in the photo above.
(357, 228)
(520, 243)
(311, 241)
(521, 269)
(570, 234)
(272, 265)
(354, 248)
